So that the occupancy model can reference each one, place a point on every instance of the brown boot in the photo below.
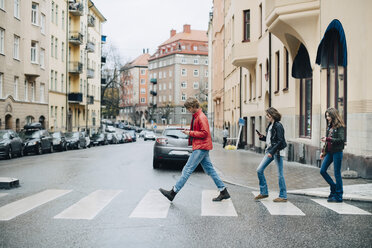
(260, 197)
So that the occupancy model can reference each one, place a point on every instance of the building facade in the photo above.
(178, 70)
(299, 57)
(24, 63)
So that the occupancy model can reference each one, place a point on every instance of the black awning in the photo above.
(301, 67)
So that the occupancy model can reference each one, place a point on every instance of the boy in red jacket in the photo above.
(200, 138)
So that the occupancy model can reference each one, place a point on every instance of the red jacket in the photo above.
(199, 133)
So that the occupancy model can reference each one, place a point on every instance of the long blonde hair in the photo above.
(335, 116)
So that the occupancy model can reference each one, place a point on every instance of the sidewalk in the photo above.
(238, 167)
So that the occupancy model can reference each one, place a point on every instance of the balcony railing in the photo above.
(76, 38)
(91, 21)
(154, 93)
(76, 9)
(75, 97)
(154, 80)
(103, 80)
(90, 99)
(75, 67)
(90, 73)
(103, 60)
(90, 47)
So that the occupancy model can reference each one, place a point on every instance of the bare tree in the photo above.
(202, 96)
(166, 109)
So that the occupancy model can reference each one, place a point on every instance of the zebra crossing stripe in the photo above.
(279, 208)
(341, 208)
(24, 205)
(88, 207)
(3, 194)
(211, 208)
(152, 205)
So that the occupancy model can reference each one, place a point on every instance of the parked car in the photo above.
(10, 144)
(35, 139)
(76, 140)
(149, 135)
(172, 145)
(133, 135)
(99, 139)
(121, 137)
(59, 141)
(110, 129)
(87, 139)
(142, 133)
(127, 137)
(112, 138)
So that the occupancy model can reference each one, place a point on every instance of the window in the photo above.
(164, 86)
(286, 86)
(2, 40)
(170, 85)
(195, 48)
(143, 100)
(206, 62)
(143, 81)
(34, 13)
(16, 47)
(16, 79)
(42, 95)
(2, 6)
(51, 79)
(52, 12)
(196, 61)
(165, 74)
(33, 91)
(63, 20)
(26, 91)
(56, 48)
(16, 8)
(170, 73)
(260, 19)
(183, 97)
(183, 110)
(196, 73)
(55, 81)
(34, 52)
(170, 98)
(164, 98)
(183, 121)
(196, 85)
(247, 25)
(42, 23)
(184, 84)
(52, 46)
(260, 82)
(183, 61)
(206, 73)
(1, 84)
(62, 82)
(63, 52)
(143, 91)
(183, 72)
(159, 87)
(56, 15)
(277, 79)
(143, 71)
(160, 74)
(63, 109)
(306, 86)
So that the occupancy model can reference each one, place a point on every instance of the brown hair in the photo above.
(335, 117)
(191, 102)
(274, 113)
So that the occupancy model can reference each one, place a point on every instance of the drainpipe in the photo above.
(269, 69)
(67, 59)
(240, 94)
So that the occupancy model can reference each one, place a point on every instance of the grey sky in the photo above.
(136, 24)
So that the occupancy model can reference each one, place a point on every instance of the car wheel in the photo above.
(66, 147)
(78, 145)
(144, 139)
(155, 164)
(39, 150)
(10, 153)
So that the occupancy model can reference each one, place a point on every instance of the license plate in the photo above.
(182, 153)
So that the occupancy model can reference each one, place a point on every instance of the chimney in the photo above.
(173, 33)
(187, 28)
(143, 50)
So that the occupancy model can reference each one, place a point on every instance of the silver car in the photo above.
(149, 135)
(172, 145)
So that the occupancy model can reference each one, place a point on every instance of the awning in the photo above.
(301, 67)
(334, 35)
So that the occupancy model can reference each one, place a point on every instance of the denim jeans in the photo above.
(261, 177)
(196, 157)
(336, 158)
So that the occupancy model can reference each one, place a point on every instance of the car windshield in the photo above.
(150, 133)
(131, 132)
(4, 135)
(56, 135)
(30, 135)
(72, 135)
(175, 133)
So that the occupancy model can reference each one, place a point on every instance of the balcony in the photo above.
(75, 38)
(75, 97)
(103, 60)
(90, 73)
(91, 47)
(75, 67)
(90, 100)
(76, 9)
(154, 80)
(91, 21)
(154, 93)
(244, 54)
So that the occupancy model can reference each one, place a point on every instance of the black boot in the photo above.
(223, 195)
(169, 194)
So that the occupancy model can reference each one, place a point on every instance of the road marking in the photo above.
(24, 205)
(341, 208)
(88, 207)
(3, 194)
(279, 208)
(153, 205)
(211, 208)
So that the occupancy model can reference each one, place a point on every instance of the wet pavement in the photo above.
(238, 167)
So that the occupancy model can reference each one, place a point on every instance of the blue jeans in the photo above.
(197, 157)
(261, 177)
(336, 158)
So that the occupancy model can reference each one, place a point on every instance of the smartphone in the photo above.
(258, 132)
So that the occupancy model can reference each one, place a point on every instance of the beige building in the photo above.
(24, 63)
(283, 54)
(178, 70)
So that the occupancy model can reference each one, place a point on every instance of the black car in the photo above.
(36, 140)
(59, 141)
(99, 139)
(76, 140)
(10, 144)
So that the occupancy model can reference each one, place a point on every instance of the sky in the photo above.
(136, 24)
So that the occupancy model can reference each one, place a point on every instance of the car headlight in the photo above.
(32, 143)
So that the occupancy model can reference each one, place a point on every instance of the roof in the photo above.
(141, 60)
(196, 35)
(97, 12)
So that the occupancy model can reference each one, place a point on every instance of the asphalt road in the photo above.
(107, 197)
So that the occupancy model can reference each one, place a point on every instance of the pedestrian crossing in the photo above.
(153, 205)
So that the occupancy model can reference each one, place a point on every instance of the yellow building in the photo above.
(283, 54)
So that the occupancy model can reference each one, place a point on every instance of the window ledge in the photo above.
(285, 90)
(276, 92)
